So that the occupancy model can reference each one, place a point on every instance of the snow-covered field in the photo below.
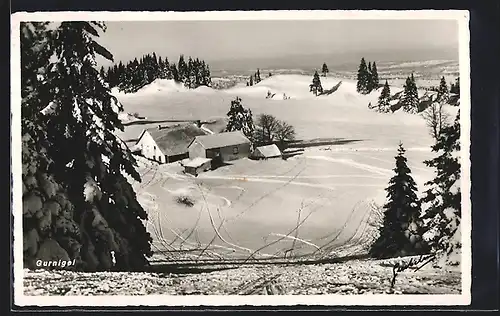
(357, 277)
(252, 207)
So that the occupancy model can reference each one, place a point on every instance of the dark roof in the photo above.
(222, 140)
(174, 140)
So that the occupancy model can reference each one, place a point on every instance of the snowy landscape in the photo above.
(308, 220)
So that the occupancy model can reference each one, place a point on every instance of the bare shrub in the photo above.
(185, 200)
(436, 118)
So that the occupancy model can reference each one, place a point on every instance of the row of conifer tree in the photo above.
(367, 77)
(135, 74)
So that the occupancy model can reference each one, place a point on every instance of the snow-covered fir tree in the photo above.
(383, 104)
(363, 78)
(50, 231)
(442, 200)
(369, 84)
(374, 76)
(401, 232)
(410, 99)
(443, 94)
(98, 217)
(315, 87)
(325, 70)
(240, 119)
(175, 72)
(182, 68)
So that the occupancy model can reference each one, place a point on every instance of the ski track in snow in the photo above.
(352, 163)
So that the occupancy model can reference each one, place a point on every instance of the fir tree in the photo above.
(182, 68)
(83, 115)
(316, 87)
(410, 99)
(257, 76)
(240, 119)
(443, 94)
(369, 85)
(442, 199)
(384, 98)
(374, 76)
(175, 73)
(363, 78)
(251, 81)
(190, 79)
(207, 76)
(401, 232)
(324, 70)
(102, 72)
(47, 210)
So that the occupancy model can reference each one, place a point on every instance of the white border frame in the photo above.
(462, 18)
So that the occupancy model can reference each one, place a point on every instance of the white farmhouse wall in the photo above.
(149, 148)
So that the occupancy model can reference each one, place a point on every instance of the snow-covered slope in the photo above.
(342, 114)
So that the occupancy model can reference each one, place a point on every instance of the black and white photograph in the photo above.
(241, 158)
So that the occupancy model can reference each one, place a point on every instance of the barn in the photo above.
(220, 147)
(268, 151)
(167, 144)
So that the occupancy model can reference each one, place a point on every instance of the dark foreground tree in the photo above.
(77, 201)
(240, 119)
(442, 199)
(315, 87)
(401, 232)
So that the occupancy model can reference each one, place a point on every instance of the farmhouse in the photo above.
(220, 147)
(167, 144)
(264, 152)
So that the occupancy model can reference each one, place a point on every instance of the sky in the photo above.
(225, 43)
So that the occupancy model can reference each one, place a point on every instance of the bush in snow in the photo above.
(401, 232)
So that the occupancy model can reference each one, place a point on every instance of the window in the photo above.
(235, 150)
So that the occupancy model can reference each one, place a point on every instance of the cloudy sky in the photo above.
(223, 41)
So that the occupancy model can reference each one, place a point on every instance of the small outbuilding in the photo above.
(268, 151)
(220, 147)
(197, 165)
